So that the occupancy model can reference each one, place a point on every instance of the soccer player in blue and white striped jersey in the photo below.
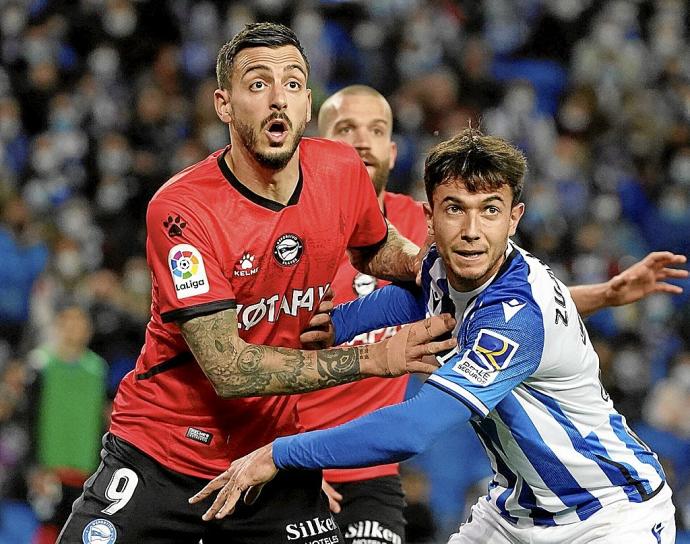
(567, 468)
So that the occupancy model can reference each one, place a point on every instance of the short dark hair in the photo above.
(254, 35)
(481, 162)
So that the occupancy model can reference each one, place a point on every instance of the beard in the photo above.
(279, 159)
(380, 178)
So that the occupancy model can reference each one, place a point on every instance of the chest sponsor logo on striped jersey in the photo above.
(270, 308)
(490, 353)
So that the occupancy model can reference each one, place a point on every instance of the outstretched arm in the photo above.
(390, 434)
(238, 369)
(643, 278)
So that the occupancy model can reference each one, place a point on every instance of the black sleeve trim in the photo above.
(372, 247)
(179, 360)
(183, 314)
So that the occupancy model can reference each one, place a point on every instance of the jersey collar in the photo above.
(251, 195)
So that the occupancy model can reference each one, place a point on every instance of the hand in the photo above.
(407, 351)
(334, 497)
(646, 277)
(320, 333)
(249, 473)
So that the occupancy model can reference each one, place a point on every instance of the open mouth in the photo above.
(470, 255)
(277, 129)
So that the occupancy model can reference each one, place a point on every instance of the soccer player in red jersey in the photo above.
(372, 498)
(368, 502)
(242, 247)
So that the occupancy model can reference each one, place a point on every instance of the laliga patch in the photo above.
(491, 353)
(99, 531)
(188, 272)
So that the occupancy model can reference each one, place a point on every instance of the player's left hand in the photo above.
(320, 333)
(646, 277)
(249, 473)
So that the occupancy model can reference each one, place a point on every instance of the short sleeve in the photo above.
(184, 265)
(499, 346)
(370, 228)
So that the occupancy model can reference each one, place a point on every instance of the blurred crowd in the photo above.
(101, 100)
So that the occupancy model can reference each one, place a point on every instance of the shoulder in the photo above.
(189, 181)
(407, 215)
(509, 301)
(402, 205)
(320, 151)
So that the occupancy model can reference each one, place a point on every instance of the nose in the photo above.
(361, 139)
(470, 229)
(278, 98)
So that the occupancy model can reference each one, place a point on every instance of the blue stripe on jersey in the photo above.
(591, 448)
(486, 430)
(527, 500)
(643, 454)
(547, 465)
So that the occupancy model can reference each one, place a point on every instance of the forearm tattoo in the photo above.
(394, 260)
(237, 369)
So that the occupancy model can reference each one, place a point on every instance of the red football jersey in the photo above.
(331, 407)
(212, 245)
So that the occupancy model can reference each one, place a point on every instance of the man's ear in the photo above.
(221, 101)
(393, 155)
(308, 105)
(429, 214)
(516, 213)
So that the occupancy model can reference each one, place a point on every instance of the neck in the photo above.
(69, 353)
(380, 197)
(276, 185)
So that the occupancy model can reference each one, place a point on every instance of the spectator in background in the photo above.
(70, 408)
(24, 257)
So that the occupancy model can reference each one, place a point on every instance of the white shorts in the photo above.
(650, 522)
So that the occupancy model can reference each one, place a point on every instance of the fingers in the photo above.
(676, 273)
(311, 337)
(209, 488)
(224, 503)
(334, 497)
(662, 287)
(422, 367)
(434, 326)
(663, 258)
(319, 320)
(328, 295)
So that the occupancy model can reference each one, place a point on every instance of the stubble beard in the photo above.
(273, 161)
(380, 178)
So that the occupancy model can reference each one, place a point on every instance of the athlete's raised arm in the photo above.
(397, 258)
(636, 282)
(239, 369)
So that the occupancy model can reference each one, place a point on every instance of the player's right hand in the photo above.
(409, 349)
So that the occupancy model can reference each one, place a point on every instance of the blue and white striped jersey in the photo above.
(526, 368)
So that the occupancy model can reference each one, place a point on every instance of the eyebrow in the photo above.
(259, 67)
(351, 121)
(488, 199)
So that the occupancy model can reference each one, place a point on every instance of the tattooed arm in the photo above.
(238, 369)
(396, 259)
